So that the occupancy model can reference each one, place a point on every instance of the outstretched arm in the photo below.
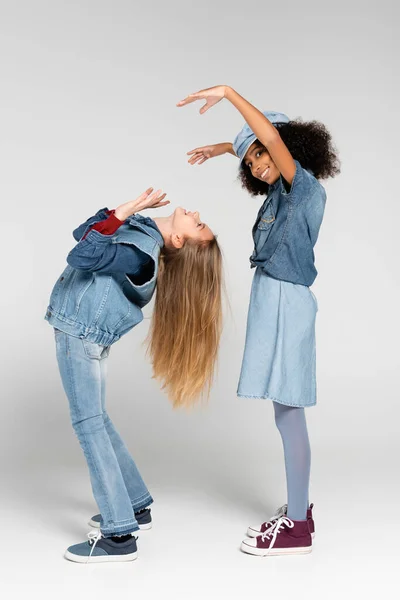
(203, 153)
(96, 251)
(260, 125)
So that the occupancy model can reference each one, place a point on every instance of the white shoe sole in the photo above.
(274, 551)
(96, 525)
(97, 559)
(252, 533)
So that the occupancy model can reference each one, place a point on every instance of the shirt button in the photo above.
(48, 314)
(62, 279)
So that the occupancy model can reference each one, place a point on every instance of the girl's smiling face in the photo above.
(189, 225)
(260, 163)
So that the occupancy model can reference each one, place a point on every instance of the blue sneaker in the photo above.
(143, 517)
(100, 549)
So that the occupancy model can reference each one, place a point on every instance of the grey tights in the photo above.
(291, 422)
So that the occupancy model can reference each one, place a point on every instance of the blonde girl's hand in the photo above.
(211, 95)
(148, 199)
(200, 155)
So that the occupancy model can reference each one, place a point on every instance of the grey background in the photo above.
(88, 120)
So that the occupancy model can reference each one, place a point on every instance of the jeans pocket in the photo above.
(95, 351)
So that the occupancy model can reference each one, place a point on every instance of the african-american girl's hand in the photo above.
(211, 95)
(200, 155)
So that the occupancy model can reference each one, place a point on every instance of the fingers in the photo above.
(195, 157)
(145, 194)
(204, 108)
(185, 101)
(189, 99)
(198, 158)
(155, 195)
(155, 201)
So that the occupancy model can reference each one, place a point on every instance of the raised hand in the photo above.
(200, 155)
(211, 95)
(148, 199)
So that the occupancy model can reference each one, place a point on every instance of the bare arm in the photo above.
(266, 133)
(229, 148)
(203, 153)
(260, 125)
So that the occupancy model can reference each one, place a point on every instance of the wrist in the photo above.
(121, 214)
(228, 92)
(228, 148)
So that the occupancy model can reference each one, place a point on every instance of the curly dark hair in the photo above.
(310, 143)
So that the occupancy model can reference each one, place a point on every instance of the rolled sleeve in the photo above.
(98, 253)
(80, 231)
(299, 185)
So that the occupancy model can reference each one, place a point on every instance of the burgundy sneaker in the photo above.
(310, 521)
(284, 537)
(259, 529)
(281, 512)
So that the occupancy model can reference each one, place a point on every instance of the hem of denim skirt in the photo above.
(275, 400)
(122, 531)
(142, 503)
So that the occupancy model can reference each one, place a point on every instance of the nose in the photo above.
(196, 215)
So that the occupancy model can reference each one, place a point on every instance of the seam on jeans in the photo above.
(267, 397)
(145, 498)
(76, 405)
(146, 504)
(113, 532)
(141, 502)
(124, 522)
(142, 496)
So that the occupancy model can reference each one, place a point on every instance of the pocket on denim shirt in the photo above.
(267, 219)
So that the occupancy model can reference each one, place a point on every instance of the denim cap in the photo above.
(246, 137)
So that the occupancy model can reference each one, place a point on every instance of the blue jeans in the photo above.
(117, 485)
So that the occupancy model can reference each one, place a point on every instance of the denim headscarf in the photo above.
(246, 137)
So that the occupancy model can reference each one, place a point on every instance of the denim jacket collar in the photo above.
(147, 225)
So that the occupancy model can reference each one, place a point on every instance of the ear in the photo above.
(177, 240)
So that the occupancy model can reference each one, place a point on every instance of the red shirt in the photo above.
(108, 226)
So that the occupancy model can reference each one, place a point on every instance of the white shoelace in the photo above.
(275, 529)
(281, 512)
(94, 537)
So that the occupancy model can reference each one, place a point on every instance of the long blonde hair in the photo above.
(187, 320)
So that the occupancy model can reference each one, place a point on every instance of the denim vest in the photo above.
(102, 307)
(287, 228)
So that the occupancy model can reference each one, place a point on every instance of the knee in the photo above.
(89, 425)
(280, 412)
(278, 421)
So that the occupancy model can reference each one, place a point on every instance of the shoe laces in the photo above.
(281, 512)
(275, 529)
(94, 537)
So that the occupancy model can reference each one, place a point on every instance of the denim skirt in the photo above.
(279, 354)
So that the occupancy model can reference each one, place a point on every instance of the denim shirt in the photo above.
(102, 306)
(287, 228)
